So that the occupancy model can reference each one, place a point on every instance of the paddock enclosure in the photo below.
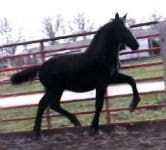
(143, 129)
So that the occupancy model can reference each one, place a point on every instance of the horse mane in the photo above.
(98, 42)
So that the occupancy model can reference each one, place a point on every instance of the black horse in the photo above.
(94, 69)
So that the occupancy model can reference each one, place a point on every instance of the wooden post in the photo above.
(162, 30)
(42, 51)
(48, 119)
(107, 105)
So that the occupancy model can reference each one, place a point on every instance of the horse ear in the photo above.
(116, 16)
(125, 16)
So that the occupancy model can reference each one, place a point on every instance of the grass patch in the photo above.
(25, 87)
(61, 121)
(144, 71)
(151, 113)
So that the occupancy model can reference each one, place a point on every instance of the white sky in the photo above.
(29, 13)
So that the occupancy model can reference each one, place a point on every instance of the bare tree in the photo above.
(5, 29)
(156, 17)
(8, 37)
(81, 24)
(53, 28)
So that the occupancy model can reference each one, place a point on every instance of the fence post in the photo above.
(107, 105)
(162, 30)
(42, 60)
(42, 51)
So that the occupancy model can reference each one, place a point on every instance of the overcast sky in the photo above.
(29, 13)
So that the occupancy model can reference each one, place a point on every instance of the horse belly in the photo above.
(80, 85)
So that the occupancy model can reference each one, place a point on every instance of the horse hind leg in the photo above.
(43, 104)
(55, 105)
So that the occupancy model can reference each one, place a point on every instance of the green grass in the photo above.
(142, 60)
(144, 71)
(29, 86)
(141, 114)
(86, 119)
(88, 105)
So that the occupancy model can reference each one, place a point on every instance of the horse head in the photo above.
(122, 34)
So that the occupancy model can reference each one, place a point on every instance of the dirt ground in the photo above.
(140, 136)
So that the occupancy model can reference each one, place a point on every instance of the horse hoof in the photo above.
(78, 124)
(133, 104)
(37, 135)
(94, 132)
(131, 109)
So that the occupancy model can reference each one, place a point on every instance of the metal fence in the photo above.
(109, 111)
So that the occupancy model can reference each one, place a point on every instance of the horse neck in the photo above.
(111, 55)
(104, 51)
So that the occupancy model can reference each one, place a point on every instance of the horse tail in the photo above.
(25, 75)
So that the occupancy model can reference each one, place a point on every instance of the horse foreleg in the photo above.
(122, 78)
(100, 92)
(41, 107)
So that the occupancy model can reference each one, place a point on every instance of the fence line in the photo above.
(108, 109)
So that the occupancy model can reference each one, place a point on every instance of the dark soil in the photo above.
(139, 136)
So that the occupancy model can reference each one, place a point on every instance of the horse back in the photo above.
(73, 72)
